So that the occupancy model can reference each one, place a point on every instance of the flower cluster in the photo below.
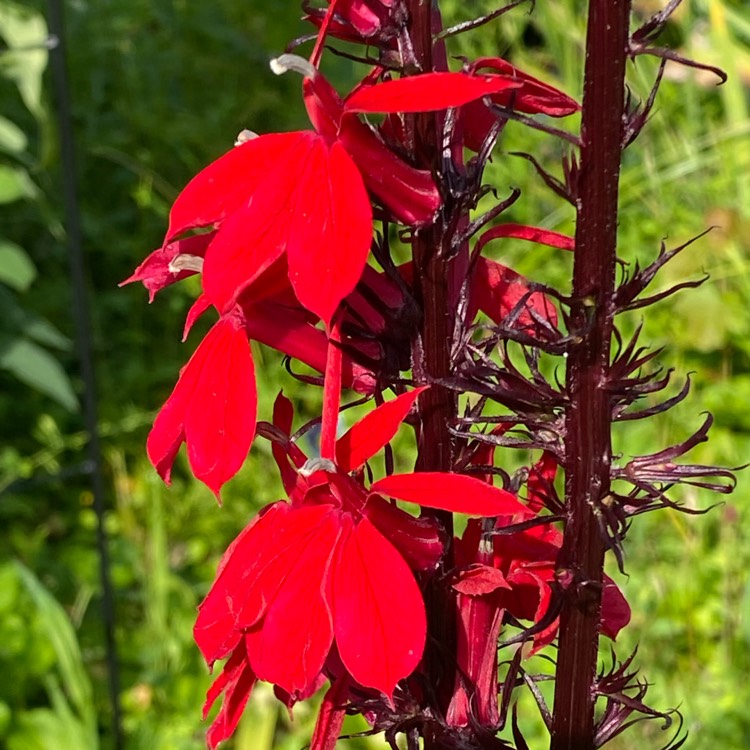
(329, 583)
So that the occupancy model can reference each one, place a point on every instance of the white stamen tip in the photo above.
(186, 263)
(317, 464)
(244, 136)
(284, 63)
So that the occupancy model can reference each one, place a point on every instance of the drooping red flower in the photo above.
(305, 193)
(511, 573)
(328, 575)
(213, 413)
(212, 408)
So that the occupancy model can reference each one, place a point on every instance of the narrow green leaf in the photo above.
(16, 268)
(39, 369)
(12, 139)
(25, 32)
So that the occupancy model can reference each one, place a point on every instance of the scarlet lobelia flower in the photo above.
(323, 584)
(514, 573)
(292, 201)
(305, 193)
(213, 406)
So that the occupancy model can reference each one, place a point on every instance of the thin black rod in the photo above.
(84, 348)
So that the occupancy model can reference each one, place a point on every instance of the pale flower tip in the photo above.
(284, 63)
(244, 136)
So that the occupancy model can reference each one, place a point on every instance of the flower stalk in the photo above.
(588, 418)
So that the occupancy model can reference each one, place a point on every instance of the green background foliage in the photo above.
(160, 88)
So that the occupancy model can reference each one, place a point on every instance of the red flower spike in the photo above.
(236, 681)
(456, 493)
(379, 644)
(212, 409)
(374, 431)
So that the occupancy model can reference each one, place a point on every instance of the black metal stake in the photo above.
(83, 344)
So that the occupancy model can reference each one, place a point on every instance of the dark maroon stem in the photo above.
(431, 362)
(588, 419)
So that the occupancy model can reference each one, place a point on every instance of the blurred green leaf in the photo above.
(72, 696)
(12, 139)
(39, 369)
(15, 183)
(25, 32)
(16, 268)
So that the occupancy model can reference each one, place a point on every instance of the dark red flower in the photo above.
(333, 566)
(531, 97)
(514, 573)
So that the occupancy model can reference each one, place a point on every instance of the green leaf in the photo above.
(25, 32)
(15, 183)
(73, 704)
(12, 139)
(39, 369)
(16, 268)
(45, 333)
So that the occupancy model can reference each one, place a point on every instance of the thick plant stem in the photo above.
(431, 361)
(588, 419)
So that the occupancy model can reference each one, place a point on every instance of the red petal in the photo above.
(615, 609)
(214, 631)
(417, 540)
(331, 716)
(212, 408)
(523, 232)
(379, 616)
(290, 645)
(282, 448)
(236, 682)
(374, 431)
(496, 290)
(534, 96)
(426, 92)
(330, 231)
(155, 273)
(478, 580)
(457, 493)
(252, 570)
(220, 420)
(409, 193)
(227, 184)
(196, 310)
(256, 232)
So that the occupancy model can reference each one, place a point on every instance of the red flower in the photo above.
(531, 97)
(513, 573)
(305, 193)
(218, 379)
(332, 568)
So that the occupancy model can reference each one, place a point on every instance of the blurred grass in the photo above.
(145, 123)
